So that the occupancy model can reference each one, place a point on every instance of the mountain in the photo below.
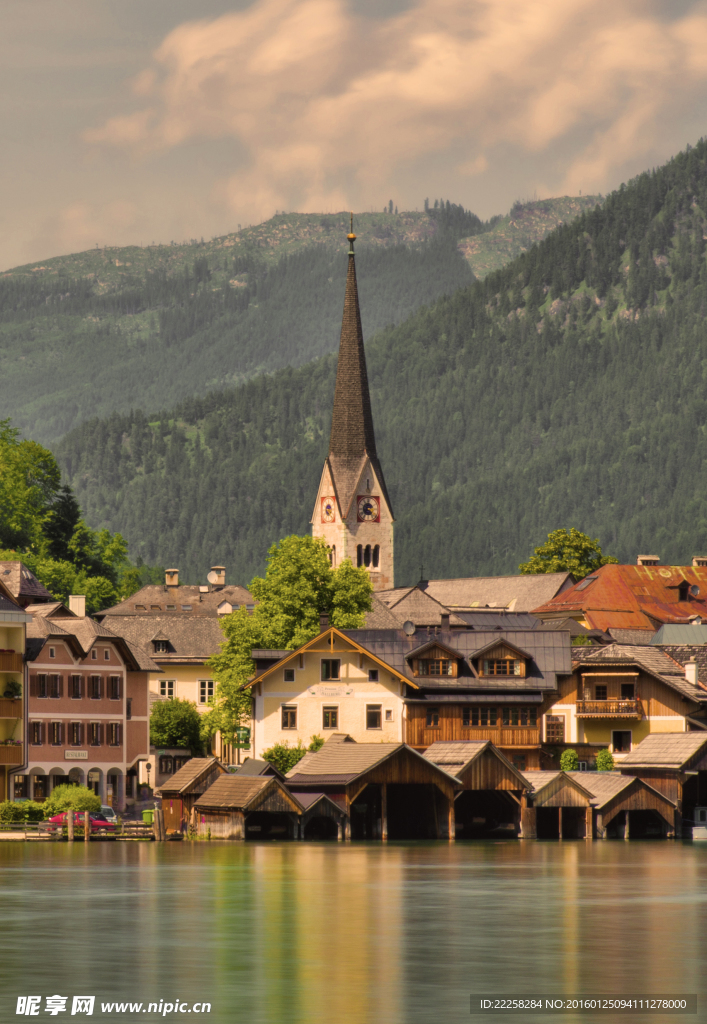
(567, 389)
(111, 330)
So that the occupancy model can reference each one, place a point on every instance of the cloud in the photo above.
(329, 107)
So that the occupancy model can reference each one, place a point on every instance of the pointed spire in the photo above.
(352, 434)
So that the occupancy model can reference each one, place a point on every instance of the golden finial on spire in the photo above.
(351, 236)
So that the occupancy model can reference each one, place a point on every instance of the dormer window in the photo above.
(435, 667)
(503, 667)
(161, 646)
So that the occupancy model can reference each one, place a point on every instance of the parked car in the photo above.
(109, 814)
(98, 822)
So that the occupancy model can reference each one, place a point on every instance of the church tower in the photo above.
(352, 512)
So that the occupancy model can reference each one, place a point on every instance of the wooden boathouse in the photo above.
(386, 790)
(248, 807)
(625, 807)
(675, 764)
(494, 794)
(183, 789)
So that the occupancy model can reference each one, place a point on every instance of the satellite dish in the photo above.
(408, 628)
(694, 590)
(212, 577)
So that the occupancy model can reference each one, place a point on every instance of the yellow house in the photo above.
(331, 684)
(13, 691)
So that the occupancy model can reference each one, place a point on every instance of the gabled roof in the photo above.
(193, 772)
(51, 609)
(331, 632)
(506, 643)
(519, 593)
(418, 606)
(186, 599)
(634, 637)
(23, 584)
(666, 750)
(539, 781)
(605, 786)
(254, 766)
(632, 597)
(437, 642)
(310, 801)
(455, 757)
(192, 638)
(243, 793)
(652, 660)
(380, 616)
(341, 763)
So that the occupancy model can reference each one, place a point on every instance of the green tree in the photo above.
(64, 516)
(567, 551)
(29, 480)
(285, 757)
(176, 723)
(605, 760)
(299, 586)
(80, 798)
(569, 762)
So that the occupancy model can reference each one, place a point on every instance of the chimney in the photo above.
(691, 671)
(445, 622)
(219, 575)
(698, 560)
(324, 621)
(648, 560)
(171, 577)
(77, 605)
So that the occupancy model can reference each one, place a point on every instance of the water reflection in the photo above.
(349, 933)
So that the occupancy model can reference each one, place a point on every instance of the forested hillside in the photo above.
(111, 330)
(566, 390)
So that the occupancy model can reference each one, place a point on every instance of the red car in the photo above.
(98, 822)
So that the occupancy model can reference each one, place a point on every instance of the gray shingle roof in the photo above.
(603, 786)
(23, 584)
(156, 597)
(253, 766)
(237, 792)
(518, 593)
(654, 660)
(675, 634)
(665, 750)
(190, 774)
(381, 617)
(191, 637)
(344, 760)
(635, 637)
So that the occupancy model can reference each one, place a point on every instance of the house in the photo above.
(179, 628)
(559, 806)
(627, 808)
(386, 790)
(475, 684)
(88, 716)
(619, 694)
(330, 684)
(675, 764)
(641, 596)
(13, 691)
(239, 806)
(181, 792)
(495, 793)
(22, 585)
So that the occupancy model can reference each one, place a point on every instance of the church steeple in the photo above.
(353, 512)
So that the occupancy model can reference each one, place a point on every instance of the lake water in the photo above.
(350, 932)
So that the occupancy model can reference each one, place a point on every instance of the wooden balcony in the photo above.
(10, 708)
(609, 709)
(10, 755)
(10, 661)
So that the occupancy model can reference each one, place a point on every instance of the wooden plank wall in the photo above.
(404, 767)
(560, 793)
(664, 781)
(274, 799)
(638, 798)
(450, 728)
(489, 772)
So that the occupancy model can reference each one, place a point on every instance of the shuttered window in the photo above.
(116, 689)
(36, 732)
(96, 687)
(76, 687)
(76, 734)
(115, 737)
(96, 732)
(56, 687)
(56, 732)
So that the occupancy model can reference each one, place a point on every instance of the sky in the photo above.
(156, 120)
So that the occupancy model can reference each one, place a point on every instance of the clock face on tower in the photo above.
(369, 510)
(328, 510)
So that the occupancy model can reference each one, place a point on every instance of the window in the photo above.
(289, 716)
(628, 691)
(76, 734)
(171, 607)
(376, 556)
(373, 716)
(434, 667)
(21, 787)
(186, 607)
(55, 687)
(621, 742)
(166, 766)
(600, 692)
(432, 721)
(140, 608)
(519, 762)
(116, 690)
(129, 708)
(331, 668)
(114, 734)
(289, 675)
(330, 718)
(95, 730)
(179, 763)
(479, 716)
(520, 716)
(332, 556)
(106, 654)
(56, 732)
(42, 688)
(373, 675)
(359, 555)
(554, 728)
(502, 667)
(36, 732)
(389, 715)
(367, 555)
(94, 655)
(161, 646)
(76, 687)
(166, 687)
(206, 690)
(155, 608)
(52, 652)
(96, 687)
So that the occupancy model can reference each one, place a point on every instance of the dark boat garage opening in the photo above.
(484, 812)
(268, 825)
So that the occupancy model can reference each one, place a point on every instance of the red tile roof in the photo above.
(633, 596)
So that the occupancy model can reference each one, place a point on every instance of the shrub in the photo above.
(80, 798)
(569, 762)
(316, 743)
(283, 756)
(26, 811)
(176, 723)
(605, 761)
